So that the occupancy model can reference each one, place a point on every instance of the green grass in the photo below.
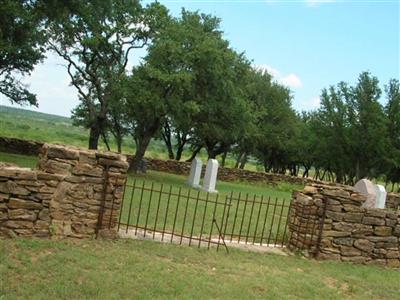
(30, 125)
(131, 269)
(21, 160)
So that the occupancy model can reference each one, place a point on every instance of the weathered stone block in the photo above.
(347, 241)
(382, 239)
(373, 221)
(55, 151)
(114, 163)
(376, 212)
(22, 224)
(89, 170)
(52, 177)
(10, 187)
(18, 173)
(335, 216)
(20, 203)
(56, 167)
(110, 155)
(335, 193)
(332, 233)
(310, 190)
(396, 231)
(383, 230)
(349, 251)
(21, 214)
(392, 254)
(44, 215)
(364, 245)
(353, 217)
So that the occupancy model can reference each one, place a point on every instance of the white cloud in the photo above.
(266, 68)
(291, 80)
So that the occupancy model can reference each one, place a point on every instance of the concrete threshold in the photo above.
(141, 234)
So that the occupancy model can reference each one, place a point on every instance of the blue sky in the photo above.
(307, 45)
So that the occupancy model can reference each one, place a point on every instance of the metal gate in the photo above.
(197, 218)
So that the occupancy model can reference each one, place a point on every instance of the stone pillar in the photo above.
(63, 198)
(77, 199)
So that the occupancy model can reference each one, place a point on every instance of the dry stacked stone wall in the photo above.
(64, 195)
(19, 146)
(224, 174)
(393, 201)
(329, 222)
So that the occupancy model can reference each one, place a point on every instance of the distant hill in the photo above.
(33, 114)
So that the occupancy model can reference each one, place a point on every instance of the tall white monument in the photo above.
(367, 188)
(380, 196)
(210, 178)
(195, 173)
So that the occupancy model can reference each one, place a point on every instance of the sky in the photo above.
(306, 44)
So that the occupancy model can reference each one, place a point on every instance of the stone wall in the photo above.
(393, 201)
(224, 174)
(64, 196)
(19, 146)
(329, 222)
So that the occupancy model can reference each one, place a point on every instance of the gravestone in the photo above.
(210, 178)
(195, 173)
(367, 188)
(380, 196)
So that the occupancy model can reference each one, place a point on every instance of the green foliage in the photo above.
(21, 47)
(349, 136)
(96, 38)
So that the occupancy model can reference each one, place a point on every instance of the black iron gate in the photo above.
(197, 218)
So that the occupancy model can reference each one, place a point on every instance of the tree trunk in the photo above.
(195, 152)
(179, 152)
(166, 135)
(243, 161)
(238, 159)
(224, 158)
(139, 153)
(103, 135)
(94, 136)
(119, 144)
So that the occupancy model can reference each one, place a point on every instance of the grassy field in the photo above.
(131, 269)
(30, 125)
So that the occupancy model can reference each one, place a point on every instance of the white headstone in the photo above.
(367, 188)
(195, 173)
(210, 178)
(380, 196)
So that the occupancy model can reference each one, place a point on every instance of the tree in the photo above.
(21, 48)
(276, 125)
(224, 113)
(189, 72)
(368, 126)
(96, 39)
(392, 110)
